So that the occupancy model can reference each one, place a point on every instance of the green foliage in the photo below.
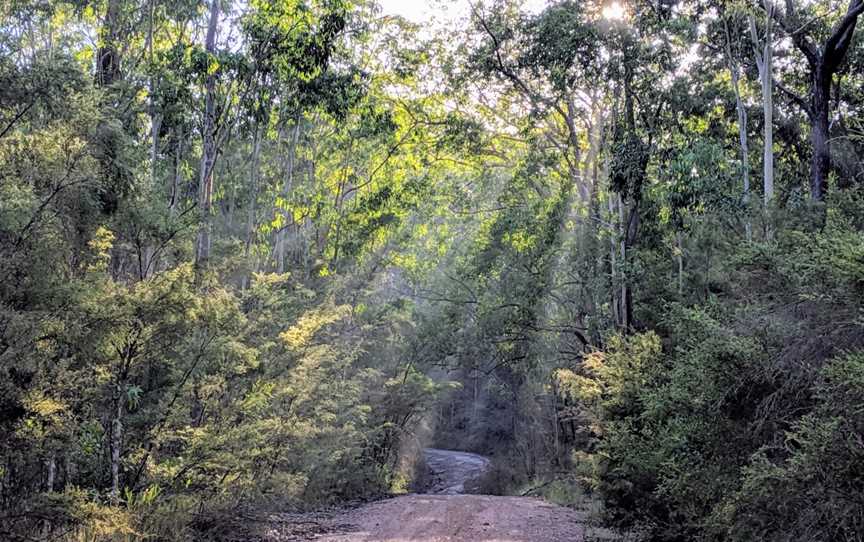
(725, 434)
(562, 46)
(140, 392)
(807, 487)
(528, 237)
(630, 158)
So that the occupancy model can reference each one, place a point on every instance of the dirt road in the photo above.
(446, 515)
(451, 470)
(459, 518)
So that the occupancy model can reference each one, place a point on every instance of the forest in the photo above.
(258, 254)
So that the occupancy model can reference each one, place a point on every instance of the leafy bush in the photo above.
(810, 486)
(746, 424)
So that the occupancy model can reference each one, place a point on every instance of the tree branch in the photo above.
(506, 72)
(801, 102)
(17, 118)
(841, 35)
(798, 38)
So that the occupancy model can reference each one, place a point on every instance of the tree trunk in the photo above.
(613, 262)
(116, 443)
(742, 127)
(735, 73)
(69, 470)
(767, 79)
(232, 206)
(253, 199)
(51, 465)
(622, 234)
(575, 157)
(155, 117)
(629, 212)
(764, 55)
(819, 136)
(823, 65)
(281, 236)
(208, 153)
(108, 58)
(175, 178)
(679, 256)
(155, 123)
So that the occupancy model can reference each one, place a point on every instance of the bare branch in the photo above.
(17, 118)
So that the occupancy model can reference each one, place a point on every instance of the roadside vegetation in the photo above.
(255, 255)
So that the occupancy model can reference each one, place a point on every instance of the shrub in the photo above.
(811, 486)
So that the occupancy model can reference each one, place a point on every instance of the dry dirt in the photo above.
(458, 518)
(444, 514)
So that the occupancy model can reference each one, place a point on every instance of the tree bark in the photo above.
(622, 234)
(735, 73)
(767, 80)
(253, 200)
(763, 51)
(155, 123)
(629, 211)
(116, 443)
(107, 57)
(575, 156)
(613, 261)
(679, 256)
(51, 465)
(208, 153)
(155, 116)
(745, 151)
(127, 355)
(176, 177)
(69, 470)
(820, 165)
(281, 240)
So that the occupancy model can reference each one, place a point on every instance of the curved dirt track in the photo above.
(447, 515)
(451, 470)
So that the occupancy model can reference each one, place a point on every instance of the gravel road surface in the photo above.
(445, 514)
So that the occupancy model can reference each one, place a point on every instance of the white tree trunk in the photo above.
(764, 53)
(742, 129)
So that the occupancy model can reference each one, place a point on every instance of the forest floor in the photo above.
(442, 514)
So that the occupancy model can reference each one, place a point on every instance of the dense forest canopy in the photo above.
(260, 252)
